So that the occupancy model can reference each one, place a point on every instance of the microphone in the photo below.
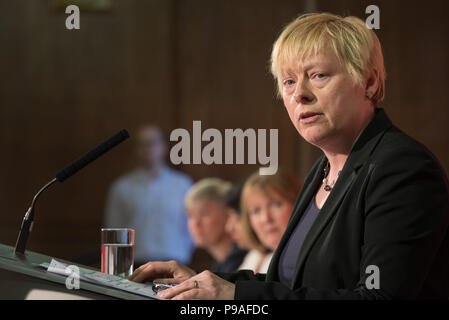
(83, 161)
(71, 169)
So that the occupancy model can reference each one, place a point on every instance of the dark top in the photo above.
(389, 208)
(232, 261)
(287, 261)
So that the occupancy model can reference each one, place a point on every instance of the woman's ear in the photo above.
(372, 84)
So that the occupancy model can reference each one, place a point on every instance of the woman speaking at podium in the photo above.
(371, 221)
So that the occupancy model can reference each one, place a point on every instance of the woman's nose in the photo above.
(229, 226)
(265, 216)
(195, 223)
(302, 93)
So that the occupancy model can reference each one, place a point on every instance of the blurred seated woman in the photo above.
(207, 218)
(267, 203)
(234, 225)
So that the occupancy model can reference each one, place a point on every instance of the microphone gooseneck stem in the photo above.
(27, 223)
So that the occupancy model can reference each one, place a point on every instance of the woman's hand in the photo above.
(166, 272)
(204, 286)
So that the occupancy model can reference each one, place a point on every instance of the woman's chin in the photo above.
(314, 138)
(272, 244)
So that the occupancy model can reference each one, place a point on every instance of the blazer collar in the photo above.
(368, 139)
(362, 149)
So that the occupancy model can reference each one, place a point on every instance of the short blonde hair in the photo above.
(213, 189)
(356, 46)
(283, 183)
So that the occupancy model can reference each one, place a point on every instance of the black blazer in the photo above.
(388, 208)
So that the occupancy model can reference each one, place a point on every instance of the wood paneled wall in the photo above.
(170, 62)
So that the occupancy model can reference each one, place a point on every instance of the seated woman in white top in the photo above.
(266, 205)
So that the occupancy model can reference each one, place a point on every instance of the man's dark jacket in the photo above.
(388, 211)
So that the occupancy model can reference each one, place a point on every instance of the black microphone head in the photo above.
(92, 155)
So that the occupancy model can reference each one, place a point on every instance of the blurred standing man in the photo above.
(150, 200)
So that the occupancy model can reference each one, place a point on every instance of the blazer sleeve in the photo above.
(241, 275)
(406, 206)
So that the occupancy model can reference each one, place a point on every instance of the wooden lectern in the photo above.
(21, 278)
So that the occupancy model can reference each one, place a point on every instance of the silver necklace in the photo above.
(328, 187)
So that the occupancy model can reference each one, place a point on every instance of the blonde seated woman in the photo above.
(266, 206)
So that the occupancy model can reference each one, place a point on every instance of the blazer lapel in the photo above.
(326, 213)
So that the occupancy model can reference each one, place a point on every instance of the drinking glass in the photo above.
(117, 251)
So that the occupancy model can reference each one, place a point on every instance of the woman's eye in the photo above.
(289, 82)
(318, 76)
(255, 211)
